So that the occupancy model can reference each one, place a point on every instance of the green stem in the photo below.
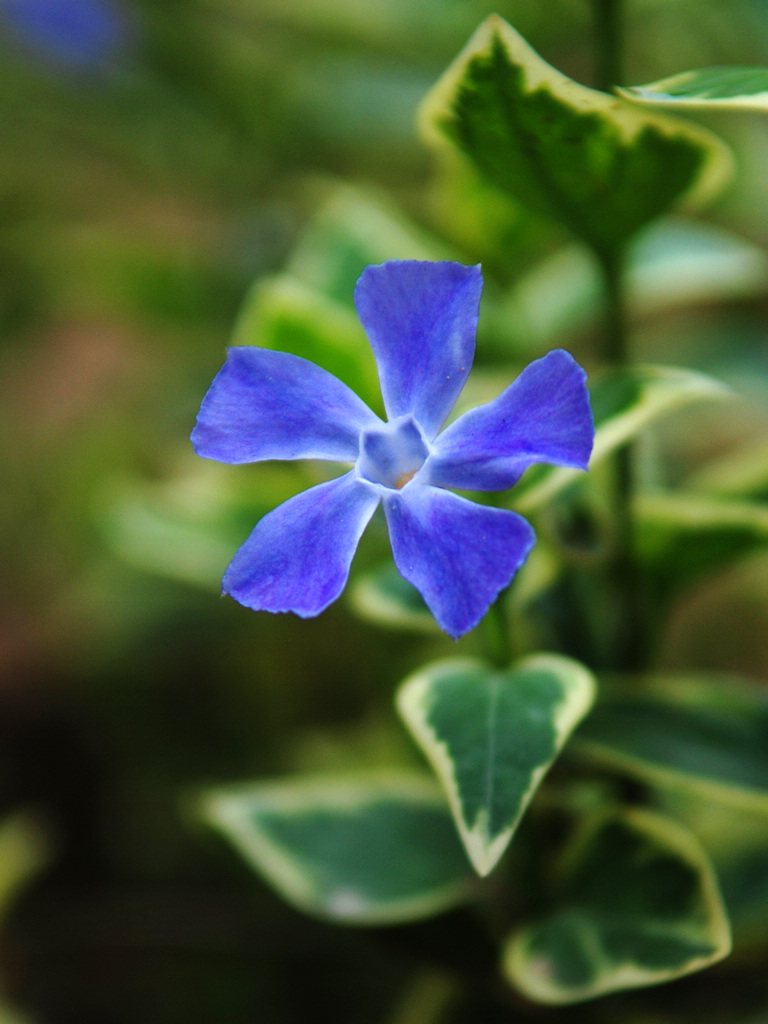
(497, 633)
(629, 634)
(615, 322)
(630, 629)
(608, 43)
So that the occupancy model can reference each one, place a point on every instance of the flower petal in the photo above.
(460, 555)
(543, 416)
(297, 558)
(420, 319)
(271, 405)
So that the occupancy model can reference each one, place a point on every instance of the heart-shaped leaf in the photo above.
(361, 850)
(718, 87)
(637, 904)
(601, 166)
(491, 736)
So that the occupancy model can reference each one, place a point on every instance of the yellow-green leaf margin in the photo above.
(601, 166)
(373, 848)
(491, 735)
(716, 88)
(637, 904)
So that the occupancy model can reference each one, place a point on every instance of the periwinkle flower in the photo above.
(420, 319)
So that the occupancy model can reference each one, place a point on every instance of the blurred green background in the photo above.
(157, 159)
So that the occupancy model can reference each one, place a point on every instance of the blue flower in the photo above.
(420, 319)
(80, 33)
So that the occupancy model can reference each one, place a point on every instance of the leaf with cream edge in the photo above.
(637, 904)
(716, 88)
(697, 733)
(683, 535)
(600, 166)
(360, 850)
(674, 262)
(491, 735)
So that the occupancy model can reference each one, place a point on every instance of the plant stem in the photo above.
(608, 39)
(629, 633)
(615, 314)
(497, 633)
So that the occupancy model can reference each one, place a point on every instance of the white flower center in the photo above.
(393, 454)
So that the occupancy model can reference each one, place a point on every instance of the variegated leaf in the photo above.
(491, 735)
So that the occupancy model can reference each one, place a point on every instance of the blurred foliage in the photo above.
(147, 179)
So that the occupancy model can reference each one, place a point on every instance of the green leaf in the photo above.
(744, 883)
(681, 261)
(624, 402)
(491, 736)
(741, 473)
(362, 850)
(482, 219)
(188, 527)
(638, 904)
(675, 262)
(602, 167)
(24, 852)
(704, 734)
(736, 839)
(680, 536)
(384, 597)
(352, 229)
(716, 87)
(146, 531)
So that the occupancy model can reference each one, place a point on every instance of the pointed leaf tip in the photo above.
(638, 904)
(599, 165)
(367, 849)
